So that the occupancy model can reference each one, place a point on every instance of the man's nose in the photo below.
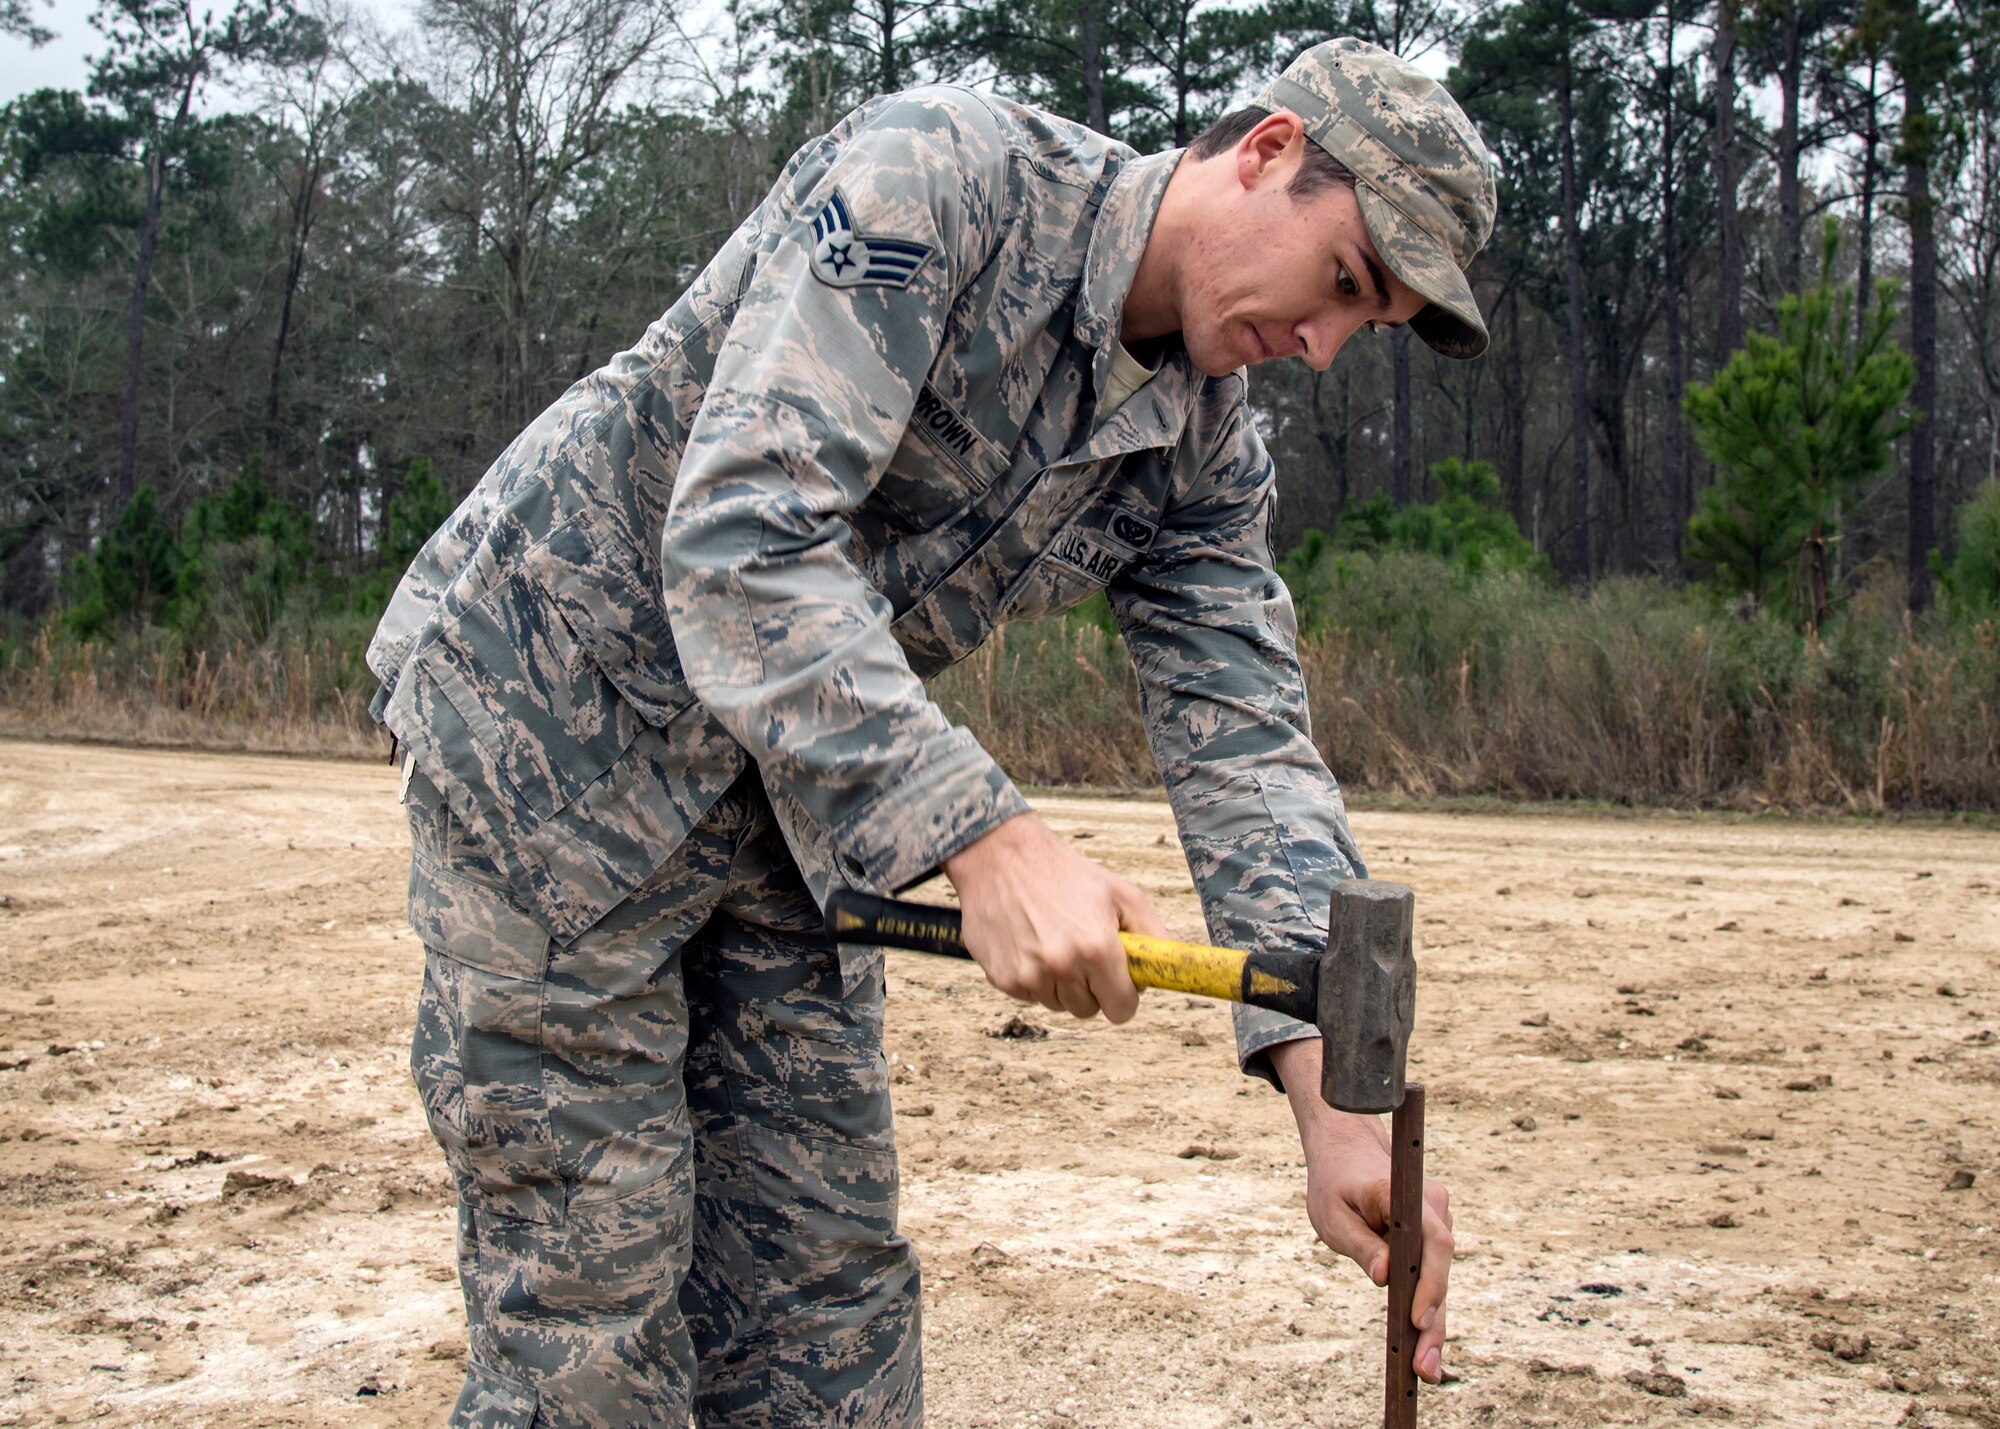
(1323, 337)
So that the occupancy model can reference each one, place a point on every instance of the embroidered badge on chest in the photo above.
(846, 259)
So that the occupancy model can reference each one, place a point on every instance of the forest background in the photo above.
(1714, 523)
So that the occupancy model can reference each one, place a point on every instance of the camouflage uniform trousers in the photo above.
(671, 1140)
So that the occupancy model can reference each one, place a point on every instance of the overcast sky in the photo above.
(64, 62)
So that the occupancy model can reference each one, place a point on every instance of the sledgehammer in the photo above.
(1360, 991)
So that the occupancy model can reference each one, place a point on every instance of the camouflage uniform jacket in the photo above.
(862, 438)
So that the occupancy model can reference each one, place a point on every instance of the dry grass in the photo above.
(305, 699)
(1423, 683)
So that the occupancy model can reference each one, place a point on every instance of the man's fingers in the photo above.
(1073, 991)
(1111, 982)
(1135, 911)
(1427, 1307)
(1118, 997)
(1430, 1351)
(1347, 1234)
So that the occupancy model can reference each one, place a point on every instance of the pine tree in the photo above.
(1795, 424)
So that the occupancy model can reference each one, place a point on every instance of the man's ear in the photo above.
(1266, 147)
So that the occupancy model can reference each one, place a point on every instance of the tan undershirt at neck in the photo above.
(1127, 377)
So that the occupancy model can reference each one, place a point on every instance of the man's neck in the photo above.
(1152, 306)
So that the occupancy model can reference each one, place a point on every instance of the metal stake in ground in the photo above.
(1406, 1256)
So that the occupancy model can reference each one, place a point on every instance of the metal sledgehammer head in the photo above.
(1367, 995)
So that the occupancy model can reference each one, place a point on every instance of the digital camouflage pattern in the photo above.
(736, 551)
(683, 1097)
(1426, 185)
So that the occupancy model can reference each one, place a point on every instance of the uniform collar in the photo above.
(1124, 220)
(1152, 416)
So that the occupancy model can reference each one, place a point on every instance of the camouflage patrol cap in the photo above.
(1424, 177)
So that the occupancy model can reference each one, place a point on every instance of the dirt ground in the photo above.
(1701, 1089)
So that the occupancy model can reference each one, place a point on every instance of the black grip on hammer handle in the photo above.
(854, 917)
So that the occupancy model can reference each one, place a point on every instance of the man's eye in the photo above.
(1348, 287)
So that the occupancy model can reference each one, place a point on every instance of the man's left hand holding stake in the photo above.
(1043, 921)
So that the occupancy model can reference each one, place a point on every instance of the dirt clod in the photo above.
(1200, 1150)
(988, 1256)
(254, 1183)
(1657, 1382)
(1018, 1029)
(1850, 1345)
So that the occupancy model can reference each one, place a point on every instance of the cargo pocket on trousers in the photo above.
(828, 1212)
(491, 1400)
(477, 1062)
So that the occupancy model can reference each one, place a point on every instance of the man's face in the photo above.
(1268, 275)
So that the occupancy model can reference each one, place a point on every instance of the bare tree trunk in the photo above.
(887, 78)
(1864, 282)
(1579, 395)
(1923, 394)
(142, 282)
(1513, 385)
(1092, 37)
(1402, 478)
(1183, 130)
(1728, 228)
(303, 215)
(1790, 222)
(135, 328)
(1678, 506)
(1333, 438)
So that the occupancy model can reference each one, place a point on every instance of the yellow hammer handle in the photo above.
(1286, 982)
(1184, 967)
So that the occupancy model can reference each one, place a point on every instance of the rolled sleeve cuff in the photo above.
(949, 795)
(1257, 1032)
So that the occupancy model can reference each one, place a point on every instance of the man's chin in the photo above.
(1216, 360)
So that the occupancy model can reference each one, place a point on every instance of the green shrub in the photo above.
(415, 512)
(1465, 528)
(242, 554)
(1971, 583)
(130, 578)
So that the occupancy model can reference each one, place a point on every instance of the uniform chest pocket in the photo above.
(942, 464)
(541, 712)
(1084, 556)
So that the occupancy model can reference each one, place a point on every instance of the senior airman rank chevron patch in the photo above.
(846, 259)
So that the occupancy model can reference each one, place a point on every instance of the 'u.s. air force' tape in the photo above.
(846, 259)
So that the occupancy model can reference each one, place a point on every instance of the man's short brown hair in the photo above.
(1318, 172)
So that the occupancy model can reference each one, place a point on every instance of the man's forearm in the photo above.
(1321, 1127)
